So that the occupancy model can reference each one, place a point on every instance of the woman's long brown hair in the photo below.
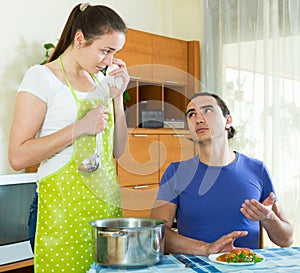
(93, 21)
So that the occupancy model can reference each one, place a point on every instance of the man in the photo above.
(219, 198)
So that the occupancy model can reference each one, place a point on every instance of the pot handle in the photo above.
(118, 233)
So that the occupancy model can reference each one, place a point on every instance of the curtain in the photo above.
(250, 58)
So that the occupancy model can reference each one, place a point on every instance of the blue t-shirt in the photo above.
(209, 198)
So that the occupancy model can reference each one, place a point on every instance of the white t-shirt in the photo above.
(61, 108)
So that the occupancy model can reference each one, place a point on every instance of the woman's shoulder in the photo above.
(38, 72)
(39, 81)
(38, 69)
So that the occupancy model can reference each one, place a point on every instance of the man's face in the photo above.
(205, 119)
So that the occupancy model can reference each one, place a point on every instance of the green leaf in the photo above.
(126, 96)
(49, 46)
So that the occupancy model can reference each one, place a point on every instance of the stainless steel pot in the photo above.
(128, 242)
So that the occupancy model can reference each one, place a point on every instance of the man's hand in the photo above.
(256, 211)
(225, 243)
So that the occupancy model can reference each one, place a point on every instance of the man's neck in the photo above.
(215, 155)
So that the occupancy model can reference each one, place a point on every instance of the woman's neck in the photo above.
(70, 65)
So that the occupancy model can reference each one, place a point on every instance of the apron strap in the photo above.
(107, 95)
(67, 80)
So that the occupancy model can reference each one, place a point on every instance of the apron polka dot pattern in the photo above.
(99, 182)
(69, 200)
(64, 237)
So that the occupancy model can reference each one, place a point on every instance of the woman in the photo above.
(59, 111)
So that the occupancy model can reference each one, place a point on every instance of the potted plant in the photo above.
(48, 48)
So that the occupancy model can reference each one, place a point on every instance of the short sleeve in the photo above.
(167, 185)
(36, 81)
(268, 186)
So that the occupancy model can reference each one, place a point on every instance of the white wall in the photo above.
(184, 20)
(26, 25)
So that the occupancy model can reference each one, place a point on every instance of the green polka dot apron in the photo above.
(69, 199)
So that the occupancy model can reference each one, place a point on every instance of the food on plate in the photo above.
(240, 255)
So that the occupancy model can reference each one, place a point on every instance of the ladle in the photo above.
(92, 162)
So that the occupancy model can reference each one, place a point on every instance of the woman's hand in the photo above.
(225, 243)
(93, 122)
(121, 74)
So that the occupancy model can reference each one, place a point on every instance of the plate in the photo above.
(213, 258)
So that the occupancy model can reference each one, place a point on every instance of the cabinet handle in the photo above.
(178, 135)
(135, 78)
(172, 82)
(140, 135)
(140, 187)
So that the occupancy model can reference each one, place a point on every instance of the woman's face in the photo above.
(93, 58)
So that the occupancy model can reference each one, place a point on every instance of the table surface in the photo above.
(276, 260)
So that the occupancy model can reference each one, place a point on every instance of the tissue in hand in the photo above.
(111, 80)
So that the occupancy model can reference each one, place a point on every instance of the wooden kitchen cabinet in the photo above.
(164, 72)
(158, 58)
(137, 201)
(170, 59)
(175, 99)
(139, 163)
(137, 53)
(170, 98)
(149, 151)
(140, 168)
(138, 174)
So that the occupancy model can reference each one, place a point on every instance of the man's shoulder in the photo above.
(245, 159)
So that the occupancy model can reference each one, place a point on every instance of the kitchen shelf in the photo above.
(170, 98)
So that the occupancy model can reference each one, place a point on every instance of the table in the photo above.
(277, 260)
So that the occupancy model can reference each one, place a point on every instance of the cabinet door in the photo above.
(139, 163)
(169, 59)
(137, 53)
(137, 201)
(193, 67)
(173, 148)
